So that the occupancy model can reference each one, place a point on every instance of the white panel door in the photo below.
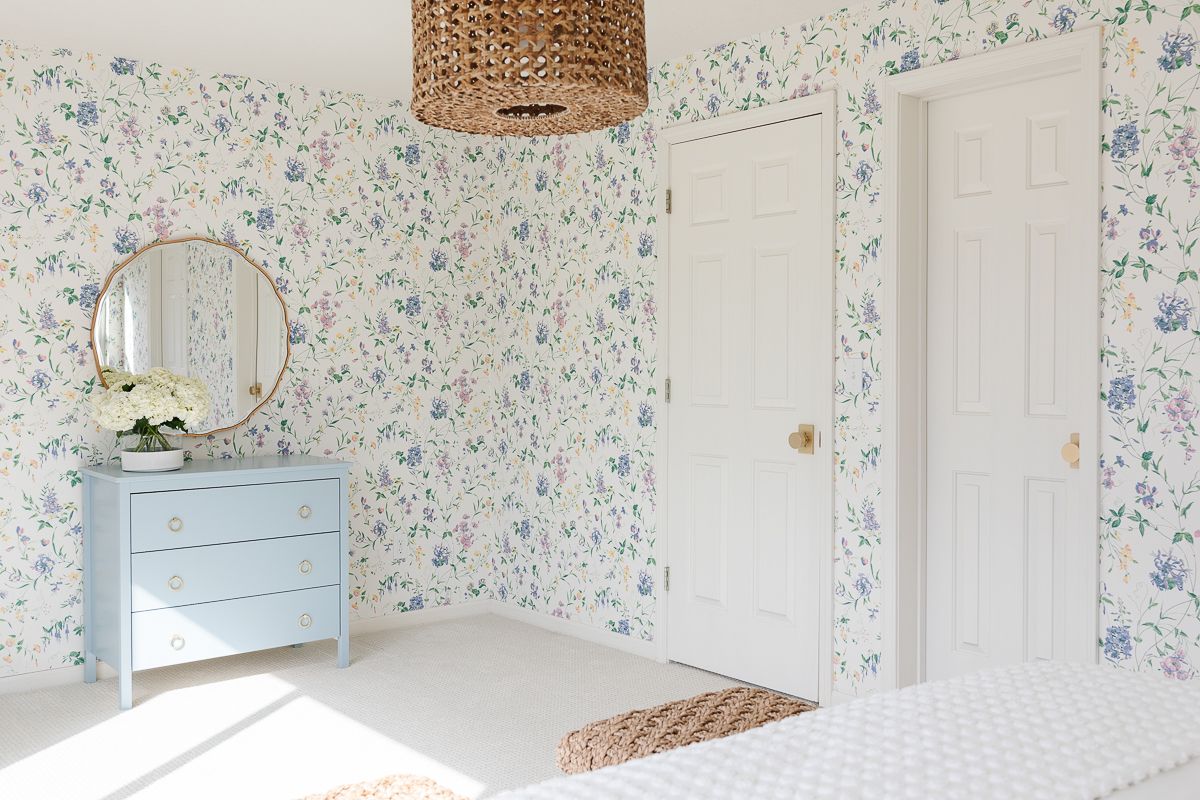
(750, 295)
(1008, 539)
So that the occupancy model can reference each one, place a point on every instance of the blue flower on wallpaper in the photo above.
(1174, 313)
(265, 219)
(524, 529)
(863, 172)
(714, 104)
(623, 465)
(645, 245)
(412, 154)
(870, 100)
(623, 133)
(645, 584)
(1170, 572)
(294, 170)
(40, 380)
(597, 375)
(523, 380)
(437, 260)
(412, 306)
(37, 194)
(88, 294)
(125, 241)
(416, 602)
(623, 299)
(1064, 19)
(623, 627)
(1125, 141)
(541, 181)
(1178, 49)
(863, 585)
(1121, 394)
(441, 555)
(123, 66)
(413, 456)
(222, 123)
(87, 114)
(523, 230)
(645, 415)
(438, 408)
(1117, 645)
(299, 332)
(543, 486)
(910, 60)
(543, 333)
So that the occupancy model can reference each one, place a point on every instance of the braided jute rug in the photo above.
(393, 787)
(637, 734)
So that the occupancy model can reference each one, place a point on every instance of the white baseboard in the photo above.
(50, 678)
(61, 676)
(578, 630)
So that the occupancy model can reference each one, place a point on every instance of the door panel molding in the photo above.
(905, 100)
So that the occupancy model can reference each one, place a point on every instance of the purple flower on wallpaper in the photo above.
(1176, 666)
(1149, 237)
(523, 380)
(1169, 571)
(870, 101)
(541, 180)
(543, 486)
(381, 170)
(869, 521)
(1117, 644)
(1064, 19)
(412, 306)
(45, 317)
(441, 555)
(714, 104)
(523, 230)
(437, 260)
(43, 134)
(43, 565)
(1174, 313)
(50, 504)
(1121, 394)
(645, 245)
(645, 584)
(1147, 494)
(416, 602)
(123, 66)
(265, 219)
(622, 133)
(863, 585)
(1125, 141)
(294, 170)
(543, 333)
(910, 60)
(88, 294)
(438, 408)
(379, 529)
(412, 154)
(863, 172)
(222, 123)
(645, 415)
(40, 380)
(299, 333)
(87, 114)
(125, 241)
(869, 314)
(623, 299)
(413, 456)
(1178, 49)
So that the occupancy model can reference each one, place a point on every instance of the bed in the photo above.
(1036, 732)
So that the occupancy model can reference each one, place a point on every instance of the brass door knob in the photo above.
(1070, 451)
(305, 512)
(802, 439)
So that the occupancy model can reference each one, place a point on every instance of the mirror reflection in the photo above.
(200, 309)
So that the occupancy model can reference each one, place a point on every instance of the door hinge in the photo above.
(667, 391)
(668, 201)
(666, 579)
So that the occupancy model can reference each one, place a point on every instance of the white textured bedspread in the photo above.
(1049, 730)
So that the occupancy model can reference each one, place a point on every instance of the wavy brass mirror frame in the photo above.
(287, 330)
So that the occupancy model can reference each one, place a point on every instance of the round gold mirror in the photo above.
(202, 309)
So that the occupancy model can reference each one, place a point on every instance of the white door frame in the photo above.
(905, 101)
(824, 104)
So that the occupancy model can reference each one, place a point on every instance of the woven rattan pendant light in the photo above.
(528, 67)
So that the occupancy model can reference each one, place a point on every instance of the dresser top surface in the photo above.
(219, 466)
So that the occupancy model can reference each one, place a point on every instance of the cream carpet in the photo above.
(477, 704)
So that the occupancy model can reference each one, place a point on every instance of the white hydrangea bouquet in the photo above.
(146, 405)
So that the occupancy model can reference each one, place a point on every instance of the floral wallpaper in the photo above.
(211, 331)
(573, 274)
(474, 325)
(368, 223)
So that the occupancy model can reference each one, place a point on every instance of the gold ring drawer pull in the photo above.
(175, 583)
(177, 642)
(305, 567)
(305, 512)
(305, 621)
(175, 525)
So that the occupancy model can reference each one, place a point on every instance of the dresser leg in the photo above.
(343, 651)
(125, 690)
(89, 667)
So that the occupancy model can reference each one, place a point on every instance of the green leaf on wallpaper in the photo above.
(1183, 536)
(1186, 275)
(1150, 201)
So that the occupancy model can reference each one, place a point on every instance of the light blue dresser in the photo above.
(221, 557)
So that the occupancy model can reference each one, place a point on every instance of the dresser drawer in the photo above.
(175, 635)
(192, 517)
(166, 578)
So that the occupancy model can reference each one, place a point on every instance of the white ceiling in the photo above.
(356, 45)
